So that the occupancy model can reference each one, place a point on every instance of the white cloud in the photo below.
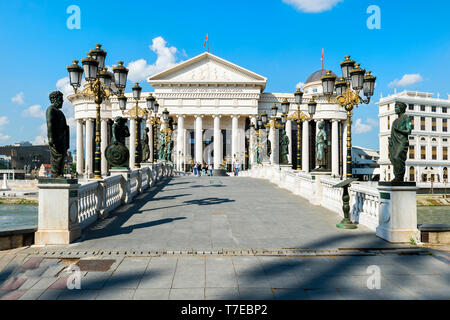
(35, 111)
(360, 127)
(313, 6)
(300, 85)
(140, 70)
(19, 98)
(41, 139)
(4, 138)
(407, 80)
(3, 120)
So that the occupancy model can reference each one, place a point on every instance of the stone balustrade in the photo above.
(377, 207)
(81, 204)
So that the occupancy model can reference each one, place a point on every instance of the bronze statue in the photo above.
(168, 151)
(58, 133)
(162, 144)
(398, 141)
(284, 147)
(269, 148)
(117, 154)
(321, 147)
(145, 146)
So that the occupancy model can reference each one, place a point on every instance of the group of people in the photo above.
(202, 169)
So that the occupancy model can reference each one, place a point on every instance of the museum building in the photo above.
(214, 102)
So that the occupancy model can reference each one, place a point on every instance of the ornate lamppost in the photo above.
(299, 117)
(154, 121)
(100, 86)
(138, 114)
(347, 89)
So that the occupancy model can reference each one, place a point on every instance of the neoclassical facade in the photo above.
(213, 102)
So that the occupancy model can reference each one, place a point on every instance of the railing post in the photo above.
(58, 212)
(125, 192)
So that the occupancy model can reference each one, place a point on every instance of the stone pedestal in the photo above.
(316, 198)
(125, 192)
(398, 212)
(5, 182)
(58, 212)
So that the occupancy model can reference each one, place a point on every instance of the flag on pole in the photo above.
(321, 59)
(206, 40)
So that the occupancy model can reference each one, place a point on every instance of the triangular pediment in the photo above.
(207, 69)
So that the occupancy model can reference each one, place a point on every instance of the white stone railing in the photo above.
(112, 190)
(67, 207)
(318, 190)
(88, 203)
(365, 204)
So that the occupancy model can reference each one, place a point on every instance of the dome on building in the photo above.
(317, 76)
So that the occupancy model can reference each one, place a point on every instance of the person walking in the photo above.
(195, 169)
(236, 168)
(210, 168)
(204, 169)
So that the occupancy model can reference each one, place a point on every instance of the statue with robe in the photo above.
(145, 146)
(284, 147)
(399, 141)
(162, 143)
(116, 153)
(321, 147)
(168, 151)
(58, 133)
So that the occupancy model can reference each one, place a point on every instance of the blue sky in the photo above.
(279, 39)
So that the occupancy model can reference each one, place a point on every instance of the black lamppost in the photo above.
(100, 86)
(346, 90)
(154, 121)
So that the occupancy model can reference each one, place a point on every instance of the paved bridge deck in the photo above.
(204, 213)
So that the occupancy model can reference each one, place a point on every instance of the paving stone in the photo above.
(157, 278)
(29, 283)
(94, 280)
(32, 263)
(290, 294)
(231, 293)
(50, 294)
(78, 295)
(358, 294)
(13, 284)
(12, 295)
(32, 294)
(187, 294)
(44, 283)
(107, 294)
(324, 294)
(255, 293)
(151, 294)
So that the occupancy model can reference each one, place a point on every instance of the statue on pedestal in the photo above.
(284, 147)
(168, 151)
(117, 154)
(58, 133)
(145, 146)
(321, 148)
(398, 141)
(162, 140)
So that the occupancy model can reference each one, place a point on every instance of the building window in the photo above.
(412, 174)
(389, 123)
(388, 107)
(423, 154)
(422, 108)
(433, 153)
(433, 108)
(411, 106)
(444, 109)
(444, 125)
(433, 124)
(412, 122)
(445, 174)
(444, 153)
(422, 123)
(411, 152)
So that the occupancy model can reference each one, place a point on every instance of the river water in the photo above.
(21, 215)
(18, 216)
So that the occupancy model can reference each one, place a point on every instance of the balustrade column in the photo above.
(80, 162)
(89, 147)
(132, 145)
(305, 147)
(335, 147)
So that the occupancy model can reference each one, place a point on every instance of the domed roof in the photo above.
(317, 76)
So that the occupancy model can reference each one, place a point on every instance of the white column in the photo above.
(344, 149)
(335, 147)
(80, 164)
(289, 135)
(305, 147)
(273, 137)
(217, 142)
(180, 141)
(132, 143)
(89, 147)
(103, 145)
(234, 137)
(199, 138)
